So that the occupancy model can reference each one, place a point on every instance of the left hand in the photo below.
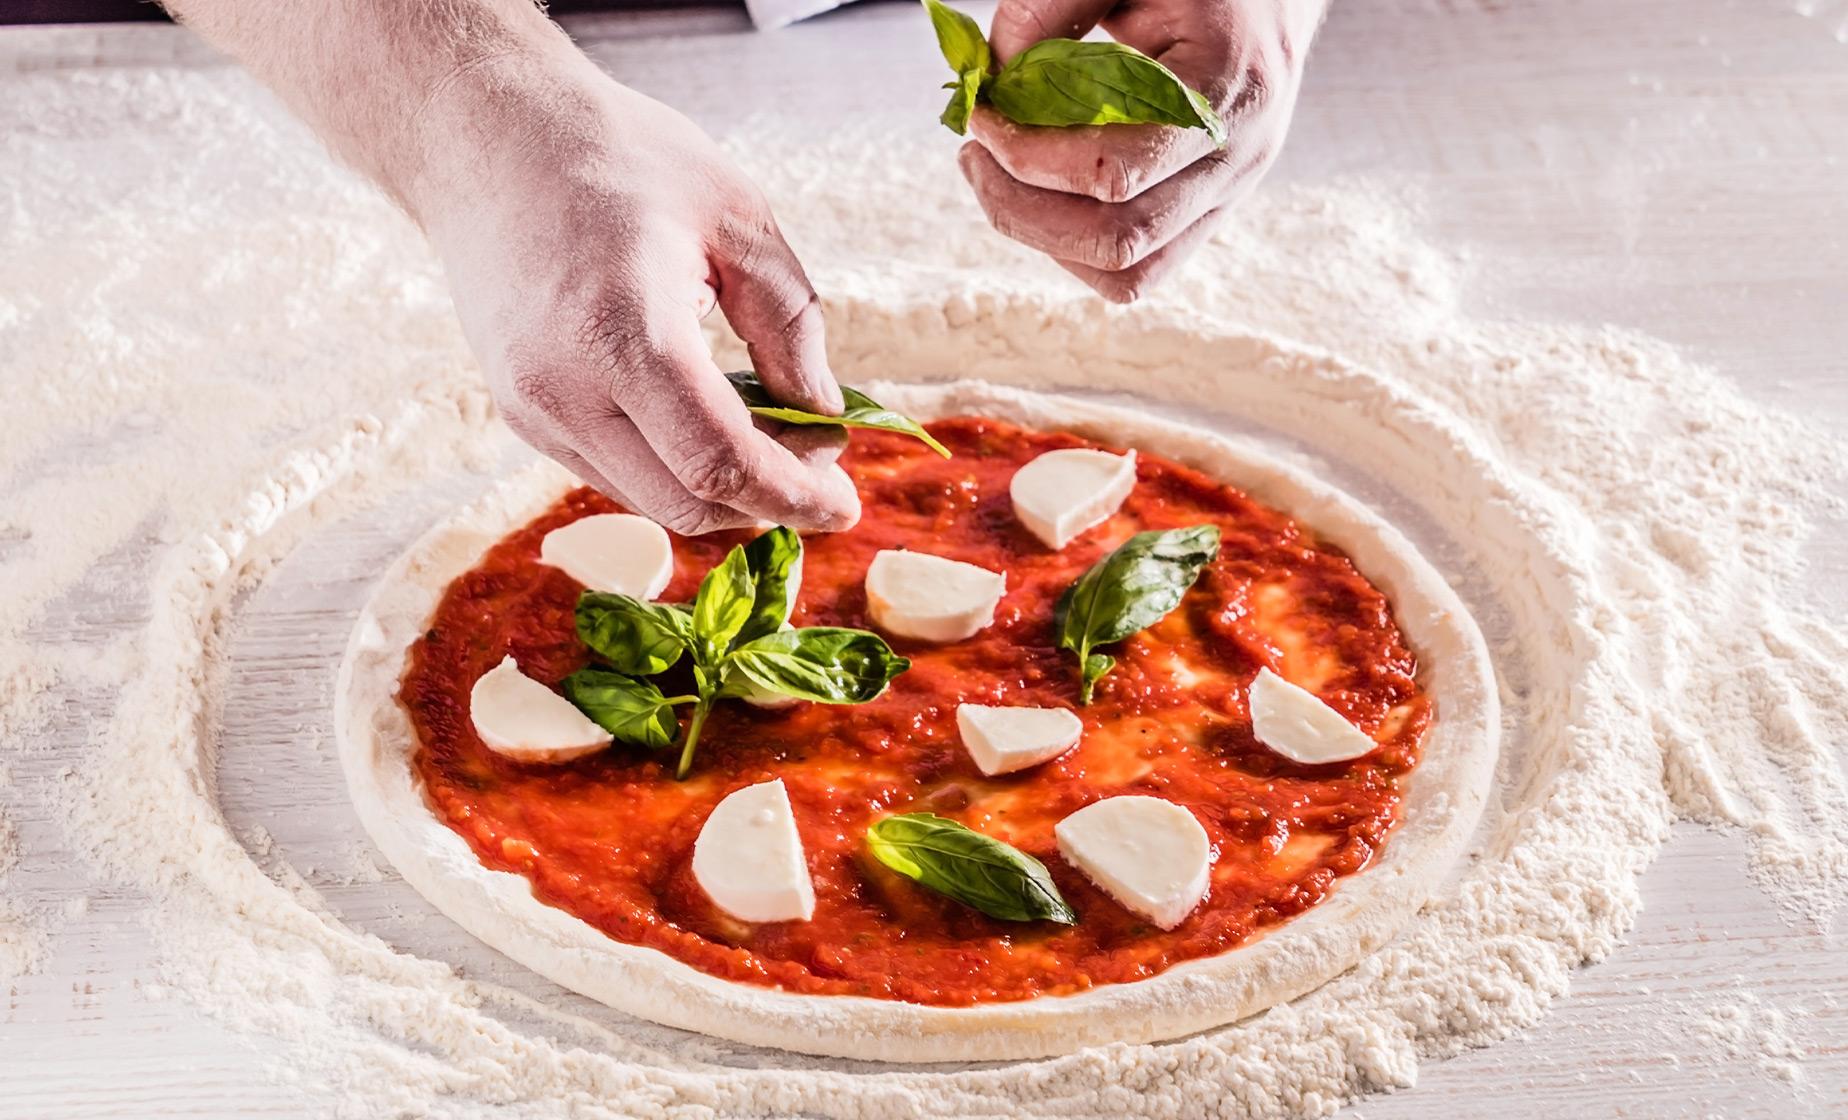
(1119, 206)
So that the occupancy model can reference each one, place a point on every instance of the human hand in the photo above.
(586, 230)
(1120, 205)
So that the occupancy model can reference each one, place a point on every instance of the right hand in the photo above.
(586, 230)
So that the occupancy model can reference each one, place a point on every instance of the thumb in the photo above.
(769, 302)
(1019, 24)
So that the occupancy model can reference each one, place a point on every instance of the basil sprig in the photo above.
(952, 859)
(1064, 82)
(966, 50)
(734, 633)
(860, 411)
(1129, 590)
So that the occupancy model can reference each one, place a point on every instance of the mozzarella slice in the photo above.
(931, 598)
(518, 717)
(1148, 854)
(1062, 493)
(617, 552)
(1294, 722)
(1003, 740)
(748, 858)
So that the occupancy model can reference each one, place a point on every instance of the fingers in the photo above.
(1018, 24)
(1129, 284)
(768, 300)
(612, 447)
(1111, 163)
(698, 428)
(1102, 235)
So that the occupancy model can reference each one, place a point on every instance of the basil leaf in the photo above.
(775, 561)
(964, 89)
(1129, 590)
(861, 411)
(1069, 82)
(829, 664)
(632, 711)
(637, 638)
(959, 37)
(726, 598)
(998, 879)
(964, 48)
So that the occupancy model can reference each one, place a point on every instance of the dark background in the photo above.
(96, 11)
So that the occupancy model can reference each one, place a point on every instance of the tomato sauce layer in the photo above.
(609, 838)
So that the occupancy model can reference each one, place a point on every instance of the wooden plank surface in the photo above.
(1681, 167)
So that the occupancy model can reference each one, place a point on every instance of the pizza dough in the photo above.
(1445, 795)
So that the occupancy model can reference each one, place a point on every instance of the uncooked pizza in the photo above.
(1073, 738)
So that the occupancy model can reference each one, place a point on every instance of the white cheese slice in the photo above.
(1003, 740)
(1294, 722)
(1150, 855)
(617, 552)
(1062, 493)
(518, 717)
(931, 598)
(748, 858)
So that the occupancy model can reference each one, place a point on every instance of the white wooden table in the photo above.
(1680, 167)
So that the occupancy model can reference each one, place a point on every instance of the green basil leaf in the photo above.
(960, 38)
(726, 598)
(829, 664)
(861, 411)
(998, 879)
(775, 560)
(637, 638)
(631, 711)
(1129, 590)
(1070, 82)
(964, 90)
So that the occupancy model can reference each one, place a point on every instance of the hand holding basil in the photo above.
(734, 633)
(1062, 82)
(859, 411)
(976, 870)
(1129, 590)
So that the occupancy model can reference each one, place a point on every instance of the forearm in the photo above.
(392, 87)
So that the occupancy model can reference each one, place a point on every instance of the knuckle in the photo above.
(1110, 179)
(1116, 247)
(690, 517)
(619, 347)
(747, 234)
(532, 393)
(716, 473)
(804, 323)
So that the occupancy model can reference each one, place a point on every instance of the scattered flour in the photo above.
(185, 286)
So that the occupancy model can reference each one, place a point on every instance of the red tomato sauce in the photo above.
(609, 838)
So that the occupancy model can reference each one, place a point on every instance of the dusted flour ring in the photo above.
(1445, 795)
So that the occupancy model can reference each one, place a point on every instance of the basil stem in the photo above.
(1129, 590)
(954, 860)
(859, 411)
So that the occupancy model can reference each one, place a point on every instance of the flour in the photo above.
(1626, 523)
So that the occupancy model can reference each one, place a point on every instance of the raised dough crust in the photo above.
(1446, 794)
